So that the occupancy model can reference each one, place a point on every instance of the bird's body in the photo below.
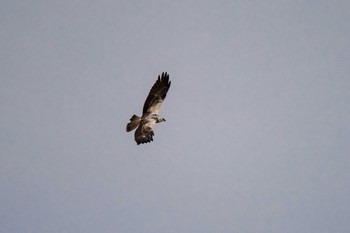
(145, 124)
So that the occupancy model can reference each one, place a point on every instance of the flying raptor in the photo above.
(144, 124)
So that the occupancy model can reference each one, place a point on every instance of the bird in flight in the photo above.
(144, 124)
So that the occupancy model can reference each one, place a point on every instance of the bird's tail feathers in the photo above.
(134, 123)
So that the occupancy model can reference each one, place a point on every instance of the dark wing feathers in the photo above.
(143, 136)
(157, 94)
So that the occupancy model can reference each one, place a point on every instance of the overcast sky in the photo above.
(258, 116)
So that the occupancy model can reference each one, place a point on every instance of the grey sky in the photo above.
(257, 131)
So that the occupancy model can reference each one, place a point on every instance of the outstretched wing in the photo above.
(157, 94)
(144, 133)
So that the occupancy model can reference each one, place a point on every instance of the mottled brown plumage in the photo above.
(144, 132)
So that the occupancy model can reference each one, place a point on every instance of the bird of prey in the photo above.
(144, 124)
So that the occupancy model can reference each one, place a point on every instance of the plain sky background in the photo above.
(258, 116)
